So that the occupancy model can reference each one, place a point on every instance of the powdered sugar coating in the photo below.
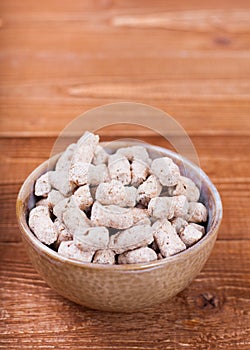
(68, 249)
(104, 256)
(115, 208)
(42, 225)
(139, 255)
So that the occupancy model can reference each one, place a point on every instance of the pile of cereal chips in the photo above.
(120, 208)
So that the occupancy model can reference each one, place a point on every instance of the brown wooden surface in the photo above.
(190, 58)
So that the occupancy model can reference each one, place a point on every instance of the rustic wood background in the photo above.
(190, 58)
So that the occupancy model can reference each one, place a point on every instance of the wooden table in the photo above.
(190, 58)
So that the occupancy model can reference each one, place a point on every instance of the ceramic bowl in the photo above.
(123, 288)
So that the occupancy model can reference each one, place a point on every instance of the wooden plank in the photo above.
(223, 159)
(51, 6)
(186, 44)
(34, 118)
(212, 313)
(234, 20)
(194, 66)
(236, 89)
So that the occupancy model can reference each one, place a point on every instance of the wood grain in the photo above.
(190, 58)
(40, 119)
(224, 159)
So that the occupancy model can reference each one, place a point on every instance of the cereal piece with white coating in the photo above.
(148, 189)
(139, 172)
(168, 207)
(63, 233)
(104, 256)
(54, 197)
(140, 162)
(116, 193)
(43, 185)
(100, 156)
(179, 223)
(61, 182)
(78, 173)
(161, 224)
(180, 205)
(75, 219)
(198, 227)
(91, 238)
(131, 196)
(132, 238)
(140, 216)
(119, 169)
(186, 187)
(83, 155)
(145, 221)
(135, 152)
(42, 225)
(98, 174)
(166, 170)
(83, 197)
(68, 249)
(60, 207)
(111, 216)
(137, 256)
(167, 239)
(64, 162)
(190, 235)
(197, 212)
(85, 148)
(84, 173)
(161, 207)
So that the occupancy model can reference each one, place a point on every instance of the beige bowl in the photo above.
(121, 287)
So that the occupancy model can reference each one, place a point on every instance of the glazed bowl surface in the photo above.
(121, 288)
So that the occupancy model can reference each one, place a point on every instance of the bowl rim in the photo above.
(27, 234)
